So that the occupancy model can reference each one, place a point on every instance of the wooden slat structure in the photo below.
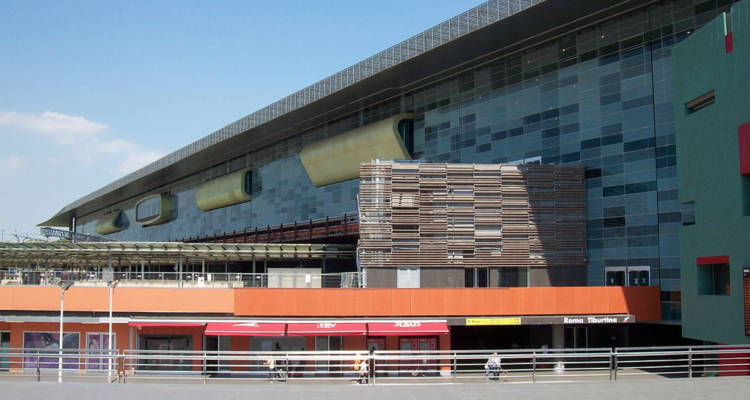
(416, 214)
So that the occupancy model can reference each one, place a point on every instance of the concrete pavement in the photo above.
(661, 389)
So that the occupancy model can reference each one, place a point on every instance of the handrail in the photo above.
(382, 367)
(189, 279)
(347, 224)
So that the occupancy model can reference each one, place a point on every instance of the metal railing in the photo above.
(49, 365)
(381, 367)
(300, 231)
(70, 235)
(185, 279)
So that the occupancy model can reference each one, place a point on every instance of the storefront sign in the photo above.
(552, 320)
(493, 321)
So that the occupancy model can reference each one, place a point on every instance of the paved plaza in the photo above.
(661, 389)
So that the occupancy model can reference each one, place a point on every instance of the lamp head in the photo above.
(65, 285)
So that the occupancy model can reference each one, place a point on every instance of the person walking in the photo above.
(494, 366)
(271, 369)
(543, 361)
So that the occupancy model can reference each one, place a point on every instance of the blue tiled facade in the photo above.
(600, 97)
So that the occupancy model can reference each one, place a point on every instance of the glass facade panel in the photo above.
(601, 97)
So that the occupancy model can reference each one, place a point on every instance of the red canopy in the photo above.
(173, 324)
(245, 329)
(407, 328)
(327, 328)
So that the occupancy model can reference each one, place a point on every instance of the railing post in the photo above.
(533, 367)
(455, 368)
(205, 372)
(281, 233)
(120, 368)
(345, 233)
(614, 364)
(690, 362)
(328, 232)
(124, 368)
(38, 373)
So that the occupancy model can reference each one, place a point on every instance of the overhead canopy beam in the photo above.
(12, 253)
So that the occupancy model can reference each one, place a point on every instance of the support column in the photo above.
(108, 275)
(179, 273)
(558, 342)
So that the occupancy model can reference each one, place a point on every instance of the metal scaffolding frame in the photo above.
(60, 252)
(476, 18)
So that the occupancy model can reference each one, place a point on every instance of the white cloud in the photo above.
(83, 140)
(63, 129)
(11, 163)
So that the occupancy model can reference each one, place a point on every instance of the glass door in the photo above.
(576, 337)
(328, 343)
(213, 344)
(4, 344)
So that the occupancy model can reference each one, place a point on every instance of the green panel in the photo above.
(224, 191)
(164, 210)
(337, 158)
(709, 174)
(109, 223)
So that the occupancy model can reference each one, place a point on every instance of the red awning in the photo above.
(245, 329)
(172, 324)
(407, 328)
(327, 328)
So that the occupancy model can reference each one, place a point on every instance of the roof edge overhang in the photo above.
(551, 19)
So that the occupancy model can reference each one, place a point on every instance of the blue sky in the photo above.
(93, 90)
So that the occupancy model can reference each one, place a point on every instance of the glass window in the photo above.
(513, 277)
(477, 277)
(408, 277)
(615, 277)
(248, 182)
(713, 279)
(148, 209)
(406, 130)
(639, 276)
(469, 277)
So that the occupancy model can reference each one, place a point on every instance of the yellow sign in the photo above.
(493, 321)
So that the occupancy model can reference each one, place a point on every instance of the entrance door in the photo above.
(576, 337)
(423, 344)
(375, 343)
(211, 345)
(328, 343)
(171, 345)
(4, 344)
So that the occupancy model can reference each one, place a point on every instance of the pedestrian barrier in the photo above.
(379, 367)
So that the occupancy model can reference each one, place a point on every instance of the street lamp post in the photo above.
(63, 287)
(112, 285)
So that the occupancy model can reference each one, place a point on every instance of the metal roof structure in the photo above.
(480, 36)
(12, 253)
(470, 21)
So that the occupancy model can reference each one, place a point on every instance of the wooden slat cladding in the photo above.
(471, 215)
